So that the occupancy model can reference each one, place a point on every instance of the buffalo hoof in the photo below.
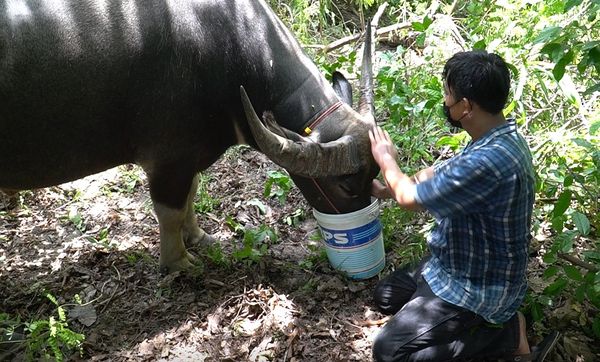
(199, 238)
(186, 263)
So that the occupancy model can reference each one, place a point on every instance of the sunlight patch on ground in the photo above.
(259, 323)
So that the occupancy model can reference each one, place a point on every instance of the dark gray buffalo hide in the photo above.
(87, 85)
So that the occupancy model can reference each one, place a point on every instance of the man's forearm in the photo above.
(401, 186)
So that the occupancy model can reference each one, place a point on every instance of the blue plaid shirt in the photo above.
(482, 201)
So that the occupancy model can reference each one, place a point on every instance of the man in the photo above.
(462, 300)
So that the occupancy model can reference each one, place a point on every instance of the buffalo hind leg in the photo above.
(193, 235)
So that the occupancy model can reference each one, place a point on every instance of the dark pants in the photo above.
(427, 328)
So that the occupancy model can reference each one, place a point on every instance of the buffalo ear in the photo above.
(342, 87)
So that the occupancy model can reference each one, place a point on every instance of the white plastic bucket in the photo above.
(354, 241)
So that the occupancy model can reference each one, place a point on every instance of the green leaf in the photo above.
(590, 44)
(564, 241)
(480, 44)
(261, 207)
(580, 293)
(550, 257)
(550, 272)
(562, 204)
(590, 255)
(558, 223)
(596, 326)
(568, 181)
(581, 222)
(556, 287)
(583, 143)
(573, 273)
(592, 89)
(571, 4)
(417, 26)
(427, 21)
(420, 40)
(537, 312)
(548, 34)
(559, 69)
(451, 141)
(553, 50)
(511, 106)
(234, 225)
(596, 124)
(52, 298)
(545, 300)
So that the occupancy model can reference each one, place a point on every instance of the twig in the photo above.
(576, 261)
(331, 314)
(349, 39)
(547, 199)
(378, 14)
(112, 297)
(376, 322)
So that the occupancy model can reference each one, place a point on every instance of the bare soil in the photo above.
(96, 240)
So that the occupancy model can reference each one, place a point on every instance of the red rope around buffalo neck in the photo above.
(308, 130)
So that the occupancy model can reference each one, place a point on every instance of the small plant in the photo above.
(129, 179)
(295, 217)
(343, 62)
(10, 337)
(215, 254)
(255, 244)
(258, 204)
(76, 219)
(136, 256)
(51, 338)
(318, 254)
(204, 201)
(101, 238)
(278, 185)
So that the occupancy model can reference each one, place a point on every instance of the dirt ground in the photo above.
(96, 240)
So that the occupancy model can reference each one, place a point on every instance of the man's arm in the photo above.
(423, 175)
(401, 186)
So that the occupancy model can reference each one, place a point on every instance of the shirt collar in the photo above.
(495, 132)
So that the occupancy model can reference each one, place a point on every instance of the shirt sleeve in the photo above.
(463, 185)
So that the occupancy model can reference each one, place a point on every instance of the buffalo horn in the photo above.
(366, 107)
(303, 158)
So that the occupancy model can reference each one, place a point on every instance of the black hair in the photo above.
(480, 77)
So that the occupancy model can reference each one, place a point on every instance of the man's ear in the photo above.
(468, 106)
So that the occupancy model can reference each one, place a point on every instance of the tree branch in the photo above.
(349, 39)
(576, 261)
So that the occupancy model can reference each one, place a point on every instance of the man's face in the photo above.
(452, 106)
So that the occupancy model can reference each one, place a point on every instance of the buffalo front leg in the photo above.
(8, 199)
(170, 188)
(173, 253)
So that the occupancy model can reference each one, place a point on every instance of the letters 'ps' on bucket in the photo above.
(354, 241)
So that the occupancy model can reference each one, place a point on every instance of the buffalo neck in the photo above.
(289, 83)
(301, 107)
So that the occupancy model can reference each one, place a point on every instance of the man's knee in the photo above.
(393, 292)
(382, 297)
(386, 348)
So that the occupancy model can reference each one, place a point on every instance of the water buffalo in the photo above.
(86, 85)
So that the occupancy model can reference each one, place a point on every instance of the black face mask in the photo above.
(449, 119)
